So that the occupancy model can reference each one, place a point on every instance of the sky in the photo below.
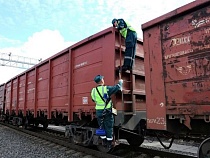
(39, 29)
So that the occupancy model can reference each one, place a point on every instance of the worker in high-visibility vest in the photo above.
(130, 36)
(100, 95)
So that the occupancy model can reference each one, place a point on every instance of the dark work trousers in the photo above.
(130, 50)
(108, 122)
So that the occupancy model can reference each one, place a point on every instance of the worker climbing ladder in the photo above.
(127, 95)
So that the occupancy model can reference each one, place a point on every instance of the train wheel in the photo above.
(204, 149)
(135, 141)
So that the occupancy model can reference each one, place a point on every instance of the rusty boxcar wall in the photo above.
(177, 47)
(8, 102)
(2, 97)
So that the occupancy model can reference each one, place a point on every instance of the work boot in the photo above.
(104, 142)
(109, 144)
(122, 69)
(125, 68)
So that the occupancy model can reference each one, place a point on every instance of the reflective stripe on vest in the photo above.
(100, 104)
(123, 31)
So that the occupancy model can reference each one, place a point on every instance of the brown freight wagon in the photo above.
(177, 70)
(2, 98)
(57, 90)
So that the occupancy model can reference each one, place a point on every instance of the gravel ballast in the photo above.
(17, 145)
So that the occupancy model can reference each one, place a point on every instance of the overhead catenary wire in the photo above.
(10, 60)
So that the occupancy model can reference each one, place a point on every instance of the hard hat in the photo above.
(98, 78)
(113, 21)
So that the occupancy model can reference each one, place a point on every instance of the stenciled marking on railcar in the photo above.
(202, 47)
(40, 79)
(197, 23)
(84, 100)
(177, 54)
(29, 82)
(81, 64)
(184, 70)
(200, 85)
(157, 120)
(180, 40)
(161, 104)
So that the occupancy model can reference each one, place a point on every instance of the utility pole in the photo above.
(8, 59)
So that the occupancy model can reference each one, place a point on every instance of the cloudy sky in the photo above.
(40, 28)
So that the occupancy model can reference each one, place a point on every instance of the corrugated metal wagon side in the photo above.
(41, 94)
(2, 98)
(51, 97)
(177, 60)
(8, 102)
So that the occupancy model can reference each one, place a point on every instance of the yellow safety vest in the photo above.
(100, 104)
(123, 31)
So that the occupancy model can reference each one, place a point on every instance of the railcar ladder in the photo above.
(128, 96)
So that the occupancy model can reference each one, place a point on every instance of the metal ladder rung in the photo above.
(128, 102)
(126, 91)
(129, 113)
(127, 81)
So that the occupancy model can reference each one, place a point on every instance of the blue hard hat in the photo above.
(98, 78)
(113, 21)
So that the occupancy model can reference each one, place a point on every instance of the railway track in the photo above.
(122, 150)
(58, 140)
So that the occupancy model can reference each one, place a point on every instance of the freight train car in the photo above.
(102, 54)
(2, 98)
(177, 70)
(40, 94)
(57, 90)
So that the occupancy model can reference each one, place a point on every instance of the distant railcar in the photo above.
(2, 99)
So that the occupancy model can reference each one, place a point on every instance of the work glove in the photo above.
(120, 82)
